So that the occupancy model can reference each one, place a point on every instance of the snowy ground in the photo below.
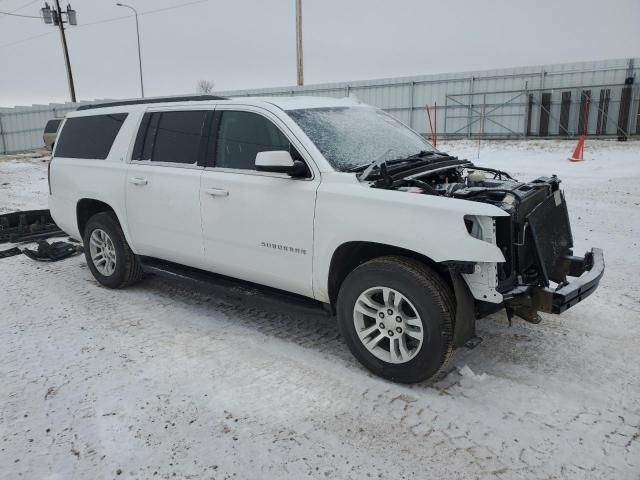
(161, 381)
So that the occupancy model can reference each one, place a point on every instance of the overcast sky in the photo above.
(251, 43)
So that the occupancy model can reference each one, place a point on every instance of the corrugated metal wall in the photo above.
(498, 103)
(492, 102)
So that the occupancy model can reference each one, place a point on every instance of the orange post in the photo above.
(433, 133)
(435, 124)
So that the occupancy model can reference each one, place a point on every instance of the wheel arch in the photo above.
(87, 207)
(350, 255)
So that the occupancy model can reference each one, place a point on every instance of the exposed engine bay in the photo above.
(514, 234)
(535, 238)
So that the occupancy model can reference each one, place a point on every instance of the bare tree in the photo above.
(204, 86)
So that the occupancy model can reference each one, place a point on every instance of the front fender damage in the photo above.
(465, 319)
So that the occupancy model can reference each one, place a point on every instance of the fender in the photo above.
(73, 180)
(347, 211)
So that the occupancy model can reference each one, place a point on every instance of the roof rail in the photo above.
(186, 98)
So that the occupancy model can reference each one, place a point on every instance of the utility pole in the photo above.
(299, 41)
(56, 18)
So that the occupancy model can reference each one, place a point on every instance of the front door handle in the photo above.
(138, 181)
(216, 192)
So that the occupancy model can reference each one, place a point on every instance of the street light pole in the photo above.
(139, 51)
(299, 41)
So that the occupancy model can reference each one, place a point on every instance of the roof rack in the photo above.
(186, 98)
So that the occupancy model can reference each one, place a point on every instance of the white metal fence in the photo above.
(599, 98)
(21, 128)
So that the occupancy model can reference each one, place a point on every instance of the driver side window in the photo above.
(242, 135)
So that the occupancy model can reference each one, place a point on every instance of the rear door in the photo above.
(163, 185)
(257, 226)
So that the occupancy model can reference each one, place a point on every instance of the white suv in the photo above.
(322, 198)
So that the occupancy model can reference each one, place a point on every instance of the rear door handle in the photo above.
(216, 192)
(138, 181)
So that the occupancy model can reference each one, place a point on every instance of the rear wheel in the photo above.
(108, 255)
(396, 315)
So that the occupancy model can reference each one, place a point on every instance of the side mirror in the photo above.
(280, 161)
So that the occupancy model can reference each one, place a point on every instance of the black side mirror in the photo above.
(297, 170)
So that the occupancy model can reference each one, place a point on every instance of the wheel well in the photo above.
(350, 255)
(88, 207)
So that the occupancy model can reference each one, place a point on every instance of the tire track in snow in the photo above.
(296, 363)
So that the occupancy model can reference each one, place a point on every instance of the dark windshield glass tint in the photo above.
(89, 137)
(242, 135)
(349, 137)
(178, 137)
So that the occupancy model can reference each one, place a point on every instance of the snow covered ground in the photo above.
(166, 381)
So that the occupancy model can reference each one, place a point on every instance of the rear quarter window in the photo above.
(89, 137)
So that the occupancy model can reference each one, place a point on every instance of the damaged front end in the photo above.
(540, 272)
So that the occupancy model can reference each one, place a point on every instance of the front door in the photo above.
(257, 226)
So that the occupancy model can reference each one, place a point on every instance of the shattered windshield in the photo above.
(350, 137)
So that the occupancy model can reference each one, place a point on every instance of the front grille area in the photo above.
(551, 236)
(535, 238)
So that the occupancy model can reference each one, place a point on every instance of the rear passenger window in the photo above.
(242, 135)
(89, 137)
(171, 137)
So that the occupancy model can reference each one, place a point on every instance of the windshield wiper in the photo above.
(368, 168)
(381, 160)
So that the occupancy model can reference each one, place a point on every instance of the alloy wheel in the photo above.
(388, 324)
(103, 252)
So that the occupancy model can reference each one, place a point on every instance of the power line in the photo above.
(147, 12)
(20, 8)
(114, 19)
(25, 5)
(107, 20)
(172, 7)
(18, 15)
(25, 40)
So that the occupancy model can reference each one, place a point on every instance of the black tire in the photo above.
(431, 297)
(128, 269)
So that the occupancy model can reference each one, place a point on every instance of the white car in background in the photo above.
(327, 199)
(51, 132)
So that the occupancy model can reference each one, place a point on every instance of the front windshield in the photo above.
(350, 137)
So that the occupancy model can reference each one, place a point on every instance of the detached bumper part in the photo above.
(588, 270)
(27, 225)
(10, 253)
(52, 252)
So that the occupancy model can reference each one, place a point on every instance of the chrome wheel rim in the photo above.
(103, 253)
(388, 324)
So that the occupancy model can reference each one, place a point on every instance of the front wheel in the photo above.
(396, 316)
(108, 255)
